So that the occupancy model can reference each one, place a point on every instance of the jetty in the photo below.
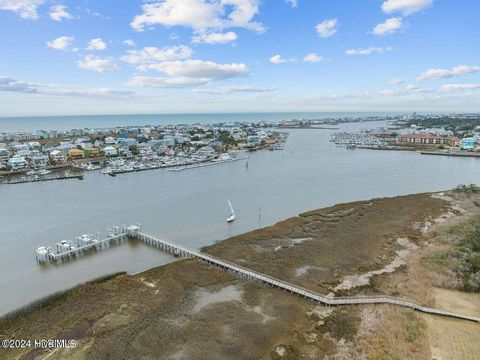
(451, 153)
(66, 250)
(204, 164)
(24, 181)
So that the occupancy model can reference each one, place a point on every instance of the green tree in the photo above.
(134, 149)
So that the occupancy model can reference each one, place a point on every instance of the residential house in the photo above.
(57, 157)
(17, 162)
(110, 151)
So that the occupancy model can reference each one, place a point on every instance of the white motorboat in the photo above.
(231, 217)
(44, 172)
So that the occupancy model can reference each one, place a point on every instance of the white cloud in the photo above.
(458, 70)
(199, 69)
(293, 3)
(327, 28)
(395, 81)
(61, 43)
(188, 73)
(236, 89)
(26, 9)
(412, 88)
(459, 87)
(312, 57)
(388, 92)
(59, 12)
(13, 85)
(200, 15)
(214, 38)
(406, 7)
(98, 64)
(368, 51)
(129, 42)
(96, 44)
(277, 59)
(163, 82)
(149, 55)
(389, 26)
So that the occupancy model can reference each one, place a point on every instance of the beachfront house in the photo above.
(206, 151)
(75, 154)
(17, 162)
(127, 142)
(467, 143)
(110, 151)
(39, 160)
(4, 156)
(110, 141)
(57, 157)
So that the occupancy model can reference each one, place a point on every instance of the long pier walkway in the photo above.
(85, 244)
(248, 274)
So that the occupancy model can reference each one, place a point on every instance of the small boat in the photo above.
(31, 172)
(44, 172)
(231, 217)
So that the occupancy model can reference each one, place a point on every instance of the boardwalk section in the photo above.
(65, 250)
(248, 274)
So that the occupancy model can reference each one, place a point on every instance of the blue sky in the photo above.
(174, 56)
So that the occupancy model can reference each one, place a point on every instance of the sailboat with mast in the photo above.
(231, 217)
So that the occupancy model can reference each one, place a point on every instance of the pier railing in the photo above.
(295, 289)
(133, 231)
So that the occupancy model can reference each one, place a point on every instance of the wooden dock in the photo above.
(452, 153)
(133, 232)
(203, 164)
(79, 177)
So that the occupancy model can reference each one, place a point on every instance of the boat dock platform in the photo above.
(203, 164)
(451, 153)
(79, 177)
(121, 234)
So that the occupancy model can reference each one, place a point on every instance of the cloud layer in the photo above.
(327, 28)
(26, 9)
(97, 64)
(12, 85)
(200, 15)
(458, 70)
(389, 26)
(406, 7)
(368, 51)
(188, 73)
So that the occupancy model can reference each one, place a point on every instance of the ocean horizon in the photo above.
(67, 122)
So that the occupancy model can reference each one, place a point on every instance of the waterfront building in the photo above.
(39, 160)
(4, 155)
(427, 139)
(127, 142)
(467, 143)
(92, 152)
(110, 141)
(110, 151)
(24, 152)
(253, 140)
(17, 162)
(34, 145)
(75, 154)
(57, 157)
(65, 147)
(207, 151)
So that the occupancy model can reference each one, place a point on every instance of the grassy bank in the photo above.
(188, 310)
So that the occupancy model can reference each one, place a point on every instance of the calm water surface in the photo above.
(190, 207)
(104, 121)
